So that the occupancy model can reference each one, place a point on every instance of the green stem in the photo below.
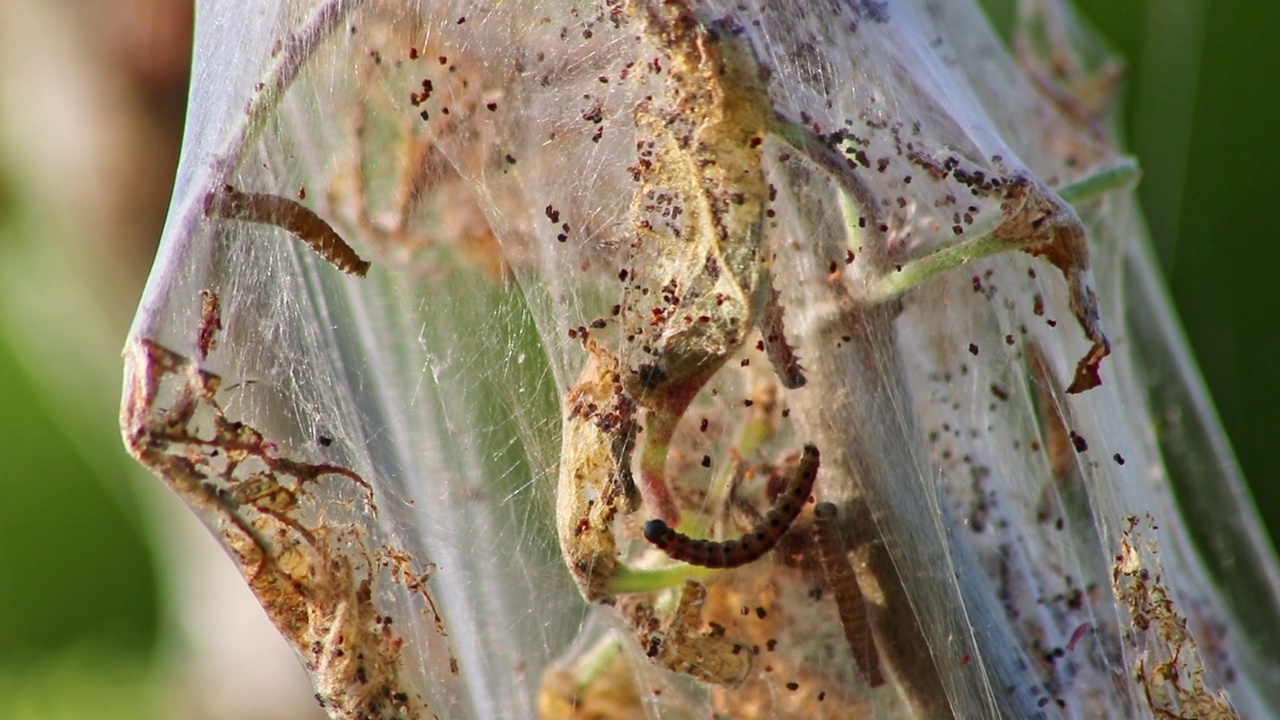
(645, 580)
(596, 660)
(753, 436)
(912, 273)
(281, 72)
(1123, 173)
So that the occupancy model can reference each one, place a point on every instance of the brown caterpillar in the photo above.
(781, 355)
(848, 594)
(756, 542)
(288, 215)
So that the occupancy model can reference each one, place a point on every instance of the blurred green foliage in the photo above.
(78, 592)
(83, 684)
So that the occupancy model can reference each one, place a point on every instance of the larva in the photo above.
(756, 542)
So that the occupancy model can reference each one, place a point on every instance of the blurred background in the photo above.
(115, 604)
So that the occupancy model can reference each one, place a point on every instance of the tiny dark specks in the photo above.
(1118, 458)
(973, 348)
(1079, 442)
(793, 686)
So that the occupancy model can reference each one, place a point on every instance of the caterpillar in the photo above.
(757, 541)
(850, 602)
(289, 215)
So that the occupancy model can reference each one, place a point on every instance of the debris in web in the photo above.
(312, 572)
